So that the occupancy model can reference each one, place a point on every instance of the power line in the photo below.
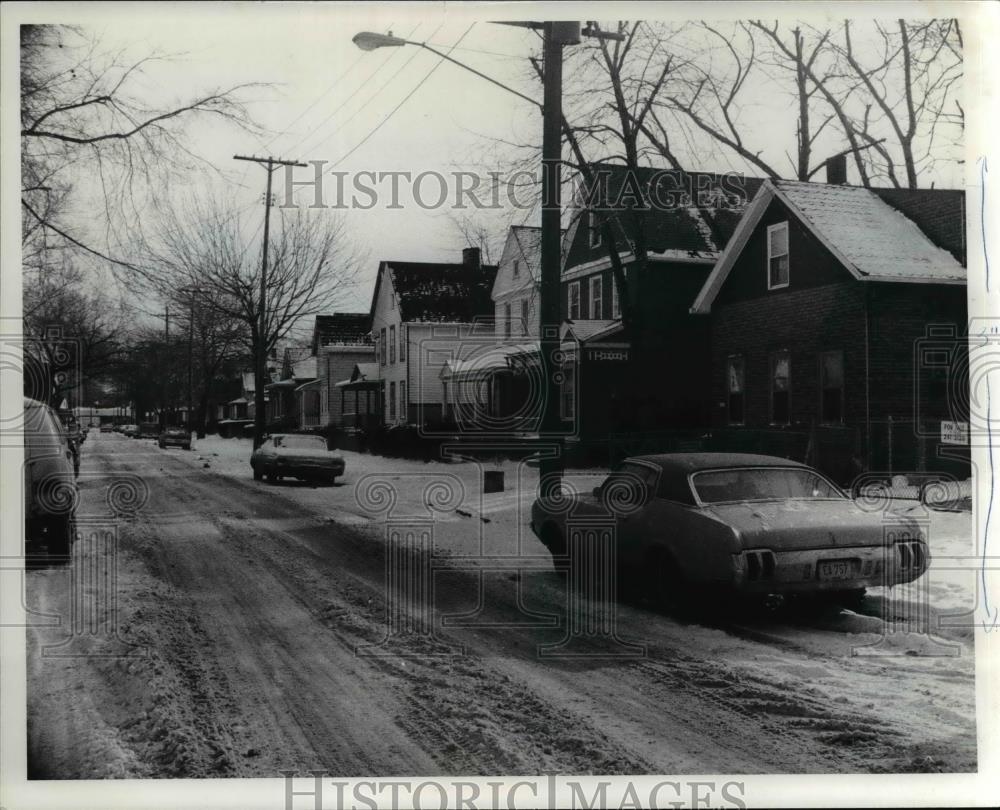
(395, 109)
(297, 146)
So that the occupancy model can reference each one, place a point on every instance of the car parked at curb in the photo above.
(149, 430)
(175, 437)
(736, 523)
(131, 431)
(296, 455)
(50, 493)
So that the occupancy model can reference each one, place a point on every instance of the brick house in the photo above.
(424, 314)
(689, 220)
(827, 310)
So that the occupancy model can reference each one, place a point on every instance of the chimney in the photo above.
(471, 258)
(836, 170)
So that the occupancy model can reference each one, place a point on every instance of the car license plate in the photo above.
(836, 569)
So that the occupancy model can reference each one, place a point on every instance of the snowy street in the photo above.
(241, 635)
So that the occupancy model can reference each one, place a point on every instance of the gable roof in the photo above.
(439, 293)
(341, 328)
(523, 244)
(587, 330)
(692, 215)
(873, 240)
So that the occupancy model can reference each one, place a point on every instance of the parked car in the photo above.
(132, 431)
(744, 524)
(107, 427)
(295, 455)
(49, 481)
(175, 437)
(149, 430)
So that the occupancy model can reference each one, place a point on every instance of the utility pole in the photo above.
(555, 35)
(166, 355)
(259, 422)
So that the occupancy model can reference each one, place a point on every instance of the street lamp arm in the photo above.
(509, 89)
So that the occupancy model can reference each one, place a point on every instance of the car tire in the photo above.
(850, 599)
(257, 474)
(60, 536)
(553, 540)
(665, 584)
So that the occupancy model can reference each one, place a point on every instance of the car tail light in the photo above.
(759, 565)
(910, 554)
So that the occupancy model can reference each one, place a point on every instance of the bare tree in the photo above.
(85, 113)
(72, 335)
(312, 268)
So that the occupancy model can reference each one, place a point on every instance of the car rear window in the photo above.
(300, 442)
(762, 484)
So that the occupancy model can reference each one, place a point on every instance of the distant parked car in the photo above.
(175, 437)
(292, 455)
(49, 481)
(107, 427)
(149, 430)
(132, 431)
(754, 525)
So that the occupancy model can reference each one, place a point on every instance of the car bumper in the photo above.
(824, 570)
(309, 470)
(175, 442)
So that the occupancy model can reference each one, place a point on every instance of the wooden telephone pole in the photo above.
(260, 375)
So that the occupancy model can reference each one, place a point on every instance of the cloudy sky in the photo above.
(321, 98)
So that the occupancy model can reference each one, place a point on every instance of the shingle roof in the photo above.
(872, 239)
(876, 238)
(442, 293)
(341, 327)
(692, 214)
(585, 330)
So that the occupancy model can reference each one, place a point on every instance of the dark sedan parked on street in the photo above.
(296, 455)
(749, 524)
(175, 437)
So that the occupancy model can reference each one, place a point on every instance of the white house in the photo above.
(423, 315)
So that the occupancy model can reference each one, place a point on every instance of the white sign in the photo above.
(954, 432)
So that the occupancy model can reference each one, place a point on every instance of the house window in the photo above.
(780, 387)
(831, 380)
(568, 394)
(736, 382)
(517, 267)
(381, 346)
(402, 401)
(616, 304)
(402, 343)
(522, 315)
(574, 300)
(392, 344)
(392, 401)
(596, 296)
(777, 256)
(506, 320)
(595, 229)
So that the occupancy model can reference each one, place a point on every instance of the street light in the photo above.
(555, 36)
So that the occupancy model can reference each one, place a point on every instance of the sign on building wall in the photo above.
(954, 432)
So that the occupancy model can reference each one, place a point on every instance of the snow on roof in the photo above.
(878, 240)
(873, 240)
(491, 358)
(588, 330)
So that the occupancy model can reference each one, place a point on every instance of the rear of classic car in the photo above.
(837, 559)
